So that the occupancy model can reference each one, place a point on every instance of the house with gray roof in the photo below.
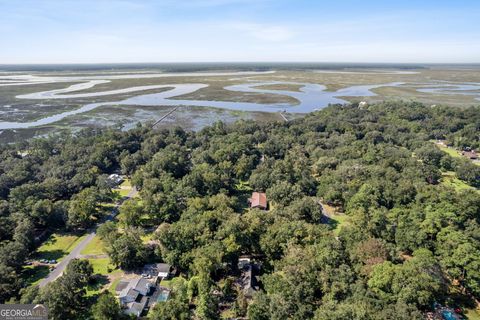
(133, 294)
(136, 308)
(158, 270)
(248, 280)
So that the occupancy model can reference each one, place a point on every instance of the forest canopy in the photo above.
(403, 239)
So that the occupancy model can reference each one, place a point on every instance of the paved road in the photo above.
(63, 264)
(75, 253)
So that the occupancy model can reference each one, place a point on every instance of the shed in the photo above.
(258, 200)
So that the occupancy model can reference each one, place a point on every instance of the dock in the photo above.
(163, 117)
(283, 116)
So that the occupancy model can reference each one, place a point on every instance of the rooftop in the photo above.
(133, 288)
(155, 268)
(121, 285)
(137, 307)
(258, 200)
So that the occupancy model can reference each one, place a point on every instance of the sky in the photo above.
(116, 31)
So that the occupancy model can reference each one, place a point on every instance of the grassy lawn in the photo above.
(122, 192)
(449, 179)
(472, 314)
(114, 284)
(451, 151)
(94, 247)
(124, 188)
(102, 266)
(172, 283)
(338, 221)
(33, 274)
(58, 246)
(101, 269)
(126, 183)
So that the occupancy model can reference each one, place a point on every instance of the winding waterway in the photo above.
(310, 96)
(471, 89)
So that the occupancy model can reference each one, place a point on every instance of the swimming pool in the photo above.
(163, 296)
(449, 315)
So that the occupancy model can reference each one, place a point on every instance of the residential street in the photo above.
(75, 253)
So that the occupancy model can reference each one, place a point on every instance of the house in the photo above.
(258, 200)
(470, 154)
(441, 143)
(158, 270)
(115, 179)
(248, 280)
(362, 105)
(130, 291)
(23, 154)
(133, 295)
(136, 308)
(128, 296)
(243, 261)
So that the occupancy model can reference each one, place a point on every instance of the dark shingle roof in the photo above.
(138, 307)
(142, 284)
(155, 268)
(133, 293)
(163, 267)
(121, 285)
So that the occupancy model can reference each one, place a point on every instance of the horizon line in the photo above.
(239, 61)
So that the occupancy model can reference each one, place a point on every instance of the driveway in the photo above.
(75, 253)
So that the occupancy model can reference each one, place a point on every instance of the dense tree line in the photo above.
(408, 237)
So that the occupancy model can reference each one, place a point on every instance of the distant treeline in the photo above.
(208, 66)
